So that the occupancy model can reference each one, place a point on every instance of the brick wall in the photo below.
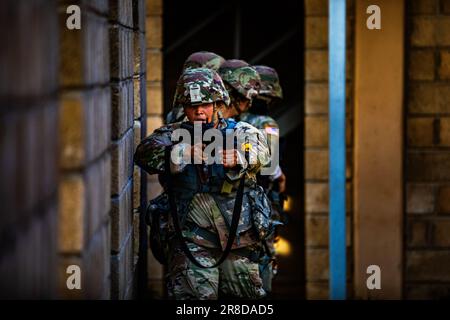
(427, 182)
(316, 146)
(85, 160)
(128, 74)
(154, 118)
(73, 107)
(28, 149)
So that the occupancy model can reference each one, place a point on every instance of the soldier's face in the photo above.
(244, 105)
(203, 112)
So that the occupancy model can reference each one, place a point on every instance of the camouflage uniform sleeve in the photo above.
(150, 153)
(252, 140)
(272, 134)
(271, 130)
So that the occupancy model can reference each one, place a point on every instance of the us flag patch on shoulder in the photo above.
(272, 130)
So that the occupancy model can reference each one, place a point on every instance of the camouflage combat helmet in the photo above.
(198, 86)
(203, 59)
(240, 76)
(270, 83)
(230, 65)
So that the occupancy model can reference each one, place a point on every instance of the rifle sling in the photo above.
(173, 210)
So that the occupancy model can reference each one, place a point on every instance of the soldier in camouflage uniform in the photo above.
(201, 59)
(205, 199)
(270, 93)
(242, 82)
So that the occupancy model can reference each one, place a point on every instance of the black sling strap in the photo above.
(234, 220)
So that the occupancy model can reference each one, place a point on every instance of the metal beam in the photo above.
(337, 221)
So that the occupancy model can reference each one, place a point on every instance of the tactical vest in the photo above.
(199, 178)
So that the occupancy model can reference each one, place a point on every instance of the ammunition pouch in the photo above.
(261, 214)
(157, 216)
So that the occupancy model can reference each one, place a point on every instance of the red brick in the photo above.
(420, 198)
(50, 150)
(427, 291)
(418, 233)
(34, 250)
(423, 31)
(444, 199)
(71, 130)
(316, 195)
(421, 65)
(121, 162)
(316, 7)
(317, 291)
(84, 126)
(316, 131)
(72, 214)
(154, 7)
(122, 269)
(8, 167)
(154, 32)
(445, 6)
(316, 264)
(154, 65)
(122, 99)
(420, 132)
(97, 112)
(139, 95)
(441, 233)
(316, 32)
(316, 228)
(444, 64)
(316, 98)
(154, 100)
(121, 217)
(18, 19)
(316, 164)
(85, 52)
(429, 98)
(428, 166)
(153, 123)
(30, 189)
(139, 48)
(121, 52)
(136, 240)
(443, 30)
(423, 6)
(427, 266)
(316, 65)
(98, 194)
(97, 264)
(444, 134)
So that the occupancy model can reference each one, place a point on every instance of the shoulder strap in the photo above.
(231, 123)
(173, 210)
